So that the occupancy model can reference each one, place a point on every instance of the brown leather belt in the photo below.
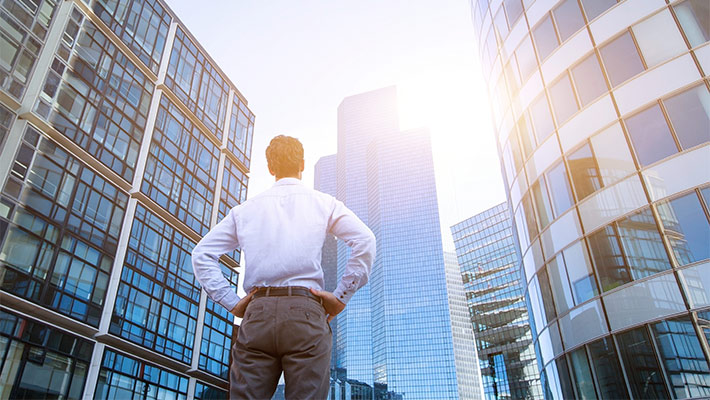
(286, 291)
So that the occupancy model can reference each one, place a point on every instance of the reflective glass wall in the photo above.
(601, 110)
(121, 144)
(495, 294)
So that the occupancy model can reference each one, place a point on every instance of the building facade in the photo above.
(122, 143)
(489, 267)
(601, 114)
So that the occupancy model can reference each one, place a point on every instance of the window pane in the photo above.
(690, 115)
(541, 118)
(546, 292)
(693, 17)
(696, 284)
(686, 227)
(613, 155)
(594, 8)
(642, 368)
(544, 211)
(682, 355)
(582, 375)
(579, 270)
(650, 135)
(560, 284)
(563, 102)
(559, 188)
(501, 24)
(621, 59)
(659, 39)
(526, 135)
(589, 80)
(643, 245)
(606, 366)
(526, 58)
(585, 174)
(568, 18)
(606, 252)
(706, 196)
(545, 38)
(514, 9)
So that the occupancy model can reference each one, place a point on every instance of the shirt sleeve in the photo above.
(345, 225)
(205, 261)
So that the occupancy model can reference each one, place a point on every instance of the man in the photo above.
(286, 313)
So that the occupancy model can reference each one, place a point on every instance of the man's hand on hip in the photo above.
(332, 305)
(241, 307)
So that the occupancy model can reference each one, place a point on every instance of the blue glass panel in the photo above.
(686, 227)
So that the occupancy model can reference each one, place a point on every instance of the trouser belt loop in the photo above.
(289, 291)
(268, 289)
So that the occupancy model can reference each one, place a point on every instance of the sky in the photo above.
(295, 61)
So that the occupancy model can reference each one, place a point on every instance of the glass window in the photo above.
(650, 135)
(686, 227)
(608, 258)
(579, 270)
(582, 375)
(526, 135)
(594, 8)
(659, 39)
(589, 80)
(560, 284)
(689, 113)
(563, 101)
(585, 174)
(500, 23)
(207, 392)
(696, 282)
(612, 155)
(529, 216)
(645, 376)
(217, 332)
(645, 254)
(621, 59)
(546, 293)
(706, 196)
(693, 17)
(544, 211)
(568, 18)
(541, 118)
(606, 366)
(514, 8)
(559, 188)
(545, 38)
(683, 358)
(526, 58)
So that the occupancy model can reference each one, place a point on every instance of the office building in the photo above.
(395, 336)
(122, 144)
(601, 114)
(468, 374)
(489, 268)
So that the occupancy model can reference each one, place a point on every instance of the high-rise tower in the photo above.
(601, 110)
(122, 143)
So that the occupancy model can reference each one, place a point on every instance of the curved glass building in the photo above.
(601, 114)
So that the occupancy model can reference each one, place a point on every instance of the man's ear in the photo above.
(271, 172)
(303, 165)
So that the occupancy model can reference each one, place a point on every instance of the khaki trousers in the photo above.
(284, 333)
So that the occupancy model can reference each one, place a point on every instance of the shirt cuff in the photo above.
(345, 291)
(229, 301)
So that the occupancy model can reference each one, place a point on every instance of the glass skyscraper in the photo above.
(121, 144)
(396, 334)
(489, 267)
(601, 114)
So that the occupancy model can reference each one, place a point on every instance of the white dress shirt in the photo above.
(281, 233)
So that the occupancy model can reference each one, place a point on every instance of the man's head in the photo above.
(285, 157)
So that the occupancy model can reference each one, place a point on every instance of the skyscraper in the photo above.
(397, 337)
(122, 144)
(601, 114)
(495, 292)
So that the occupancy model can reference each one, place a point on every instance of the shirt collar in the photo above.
(288, 181)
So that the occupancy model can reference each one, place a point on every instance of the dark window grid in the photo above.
(158, 297)
(64, 229)
(234, 192)
(197, 83)
(672, 335)
(46, 349)
(241, 130)
(180, 173)
(22, 34)
(100, 101)
(207, 392)
(644, 364)
(7, 119)
(121, 374)
(141, 24)
(217, 333)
